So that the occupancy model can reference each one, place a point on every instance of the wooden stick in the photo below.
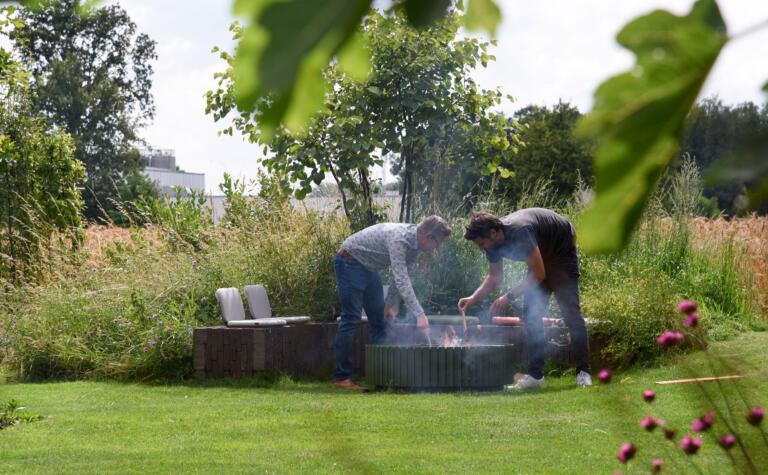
(696, 380)
(463, 320)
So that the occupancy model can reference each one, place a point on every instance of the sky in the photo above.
(548, 50)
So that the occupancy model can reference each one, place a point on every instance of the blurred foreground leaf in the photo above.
(638, 116)
(287, 44)
(482, 15)
(283, 51)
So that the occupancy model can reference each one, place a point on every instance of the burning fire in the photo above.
(452, 340)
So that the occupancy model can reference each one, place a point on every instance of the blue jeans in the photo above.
(358, 289)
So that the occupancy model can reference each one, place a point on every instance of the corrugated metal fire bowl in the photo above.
(432, 368)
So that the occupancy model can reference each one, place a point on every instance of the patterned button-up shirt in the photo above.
(389, 244)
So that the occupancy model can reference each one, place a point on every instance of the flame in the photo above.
(447, 341)
(453, 332)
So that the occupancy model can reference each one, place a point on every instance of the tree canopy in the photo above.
(91, 76)
(419, 108)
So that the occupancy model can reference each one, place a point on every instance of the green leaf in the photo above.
(482, 15)
(638, 116)
(283, 51)
(423, 13)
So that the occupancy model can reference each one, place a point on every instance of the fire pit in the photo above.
(438, 368)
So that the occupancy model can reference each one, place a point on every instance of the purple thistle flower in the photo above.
(703, 423)
(687, 307)
(168, 329)
(103, 335)
(755, 416)
(648, 423)
(190, 332)
(656, 465)
(152, 343)
(727, 441)
(85, 342)
(146, 349)
(90, 332)
(691, 320)
(150, 332)
(203, 299)
(649, 395)
(121, 326)
(604, 376)
(114, 320)
(626, 452)
(669, 338)
(689, 445)
(199, 268)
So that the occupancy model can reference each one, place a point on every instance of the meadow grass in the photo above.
(278, 425)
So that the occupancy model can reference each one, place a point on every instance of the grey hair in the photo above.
(434, 225)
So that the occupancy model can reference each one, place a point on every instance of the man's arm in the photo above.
(536, 274)
(492, 280)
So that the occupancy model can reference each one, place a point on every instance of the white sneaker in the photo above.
(526, 382)
(583, 379)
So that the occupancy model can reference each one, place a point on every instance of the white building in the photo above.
(161, 168)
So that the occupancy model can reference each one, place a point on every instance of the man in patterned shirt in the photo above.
(357, 264)
(545, 241)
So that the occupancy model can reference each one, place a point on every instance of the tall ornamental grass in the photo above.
(127, 311)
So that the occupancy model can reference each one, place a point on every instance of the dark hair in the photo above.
(480, 225)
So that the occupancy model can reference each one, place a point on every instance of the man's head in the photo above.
(485, 230)
(431, 232)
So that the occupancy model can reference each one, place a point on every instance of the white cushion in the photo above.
(258, 322)
(231, 304)
(258, 302)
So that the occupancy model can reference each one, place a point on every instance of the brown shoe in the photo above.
(349, 384)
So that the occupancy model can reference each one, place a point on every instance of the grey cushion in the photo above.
(258, 305)
(258, 302)
(231, 304)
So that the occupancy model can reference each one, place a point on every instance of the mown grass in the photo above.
(283, 426)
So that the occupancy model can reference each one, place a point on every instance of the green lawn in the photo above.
(241, 426)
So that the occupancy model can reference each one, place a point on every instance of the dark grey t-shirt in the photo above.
(553, 234)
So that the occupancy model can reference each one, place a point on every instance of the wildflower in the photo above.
(114, 320)
(90, 332)
(146, 349)
(656, 465)
(703, 423)
(199, 267)
(649, 395)
(691, 320)
(152, 343)
(190, 332)
(626, 452)
(604, 376)
(687, 307)
(648, 423)
(121, 326)
(689, 445)
(165, 358)
(103, 335)
(150, 332)
(203, 299)
(669, 338)
(727, 441)
(755, 416)
(85, 342)
(167, 329)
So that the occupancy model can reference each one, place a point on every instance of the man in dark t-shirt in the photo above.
(545, 241)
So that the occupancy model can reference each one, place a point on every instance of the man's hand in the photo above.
(465, 303)
(388, 314)
(422, 324)
(499, 305)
